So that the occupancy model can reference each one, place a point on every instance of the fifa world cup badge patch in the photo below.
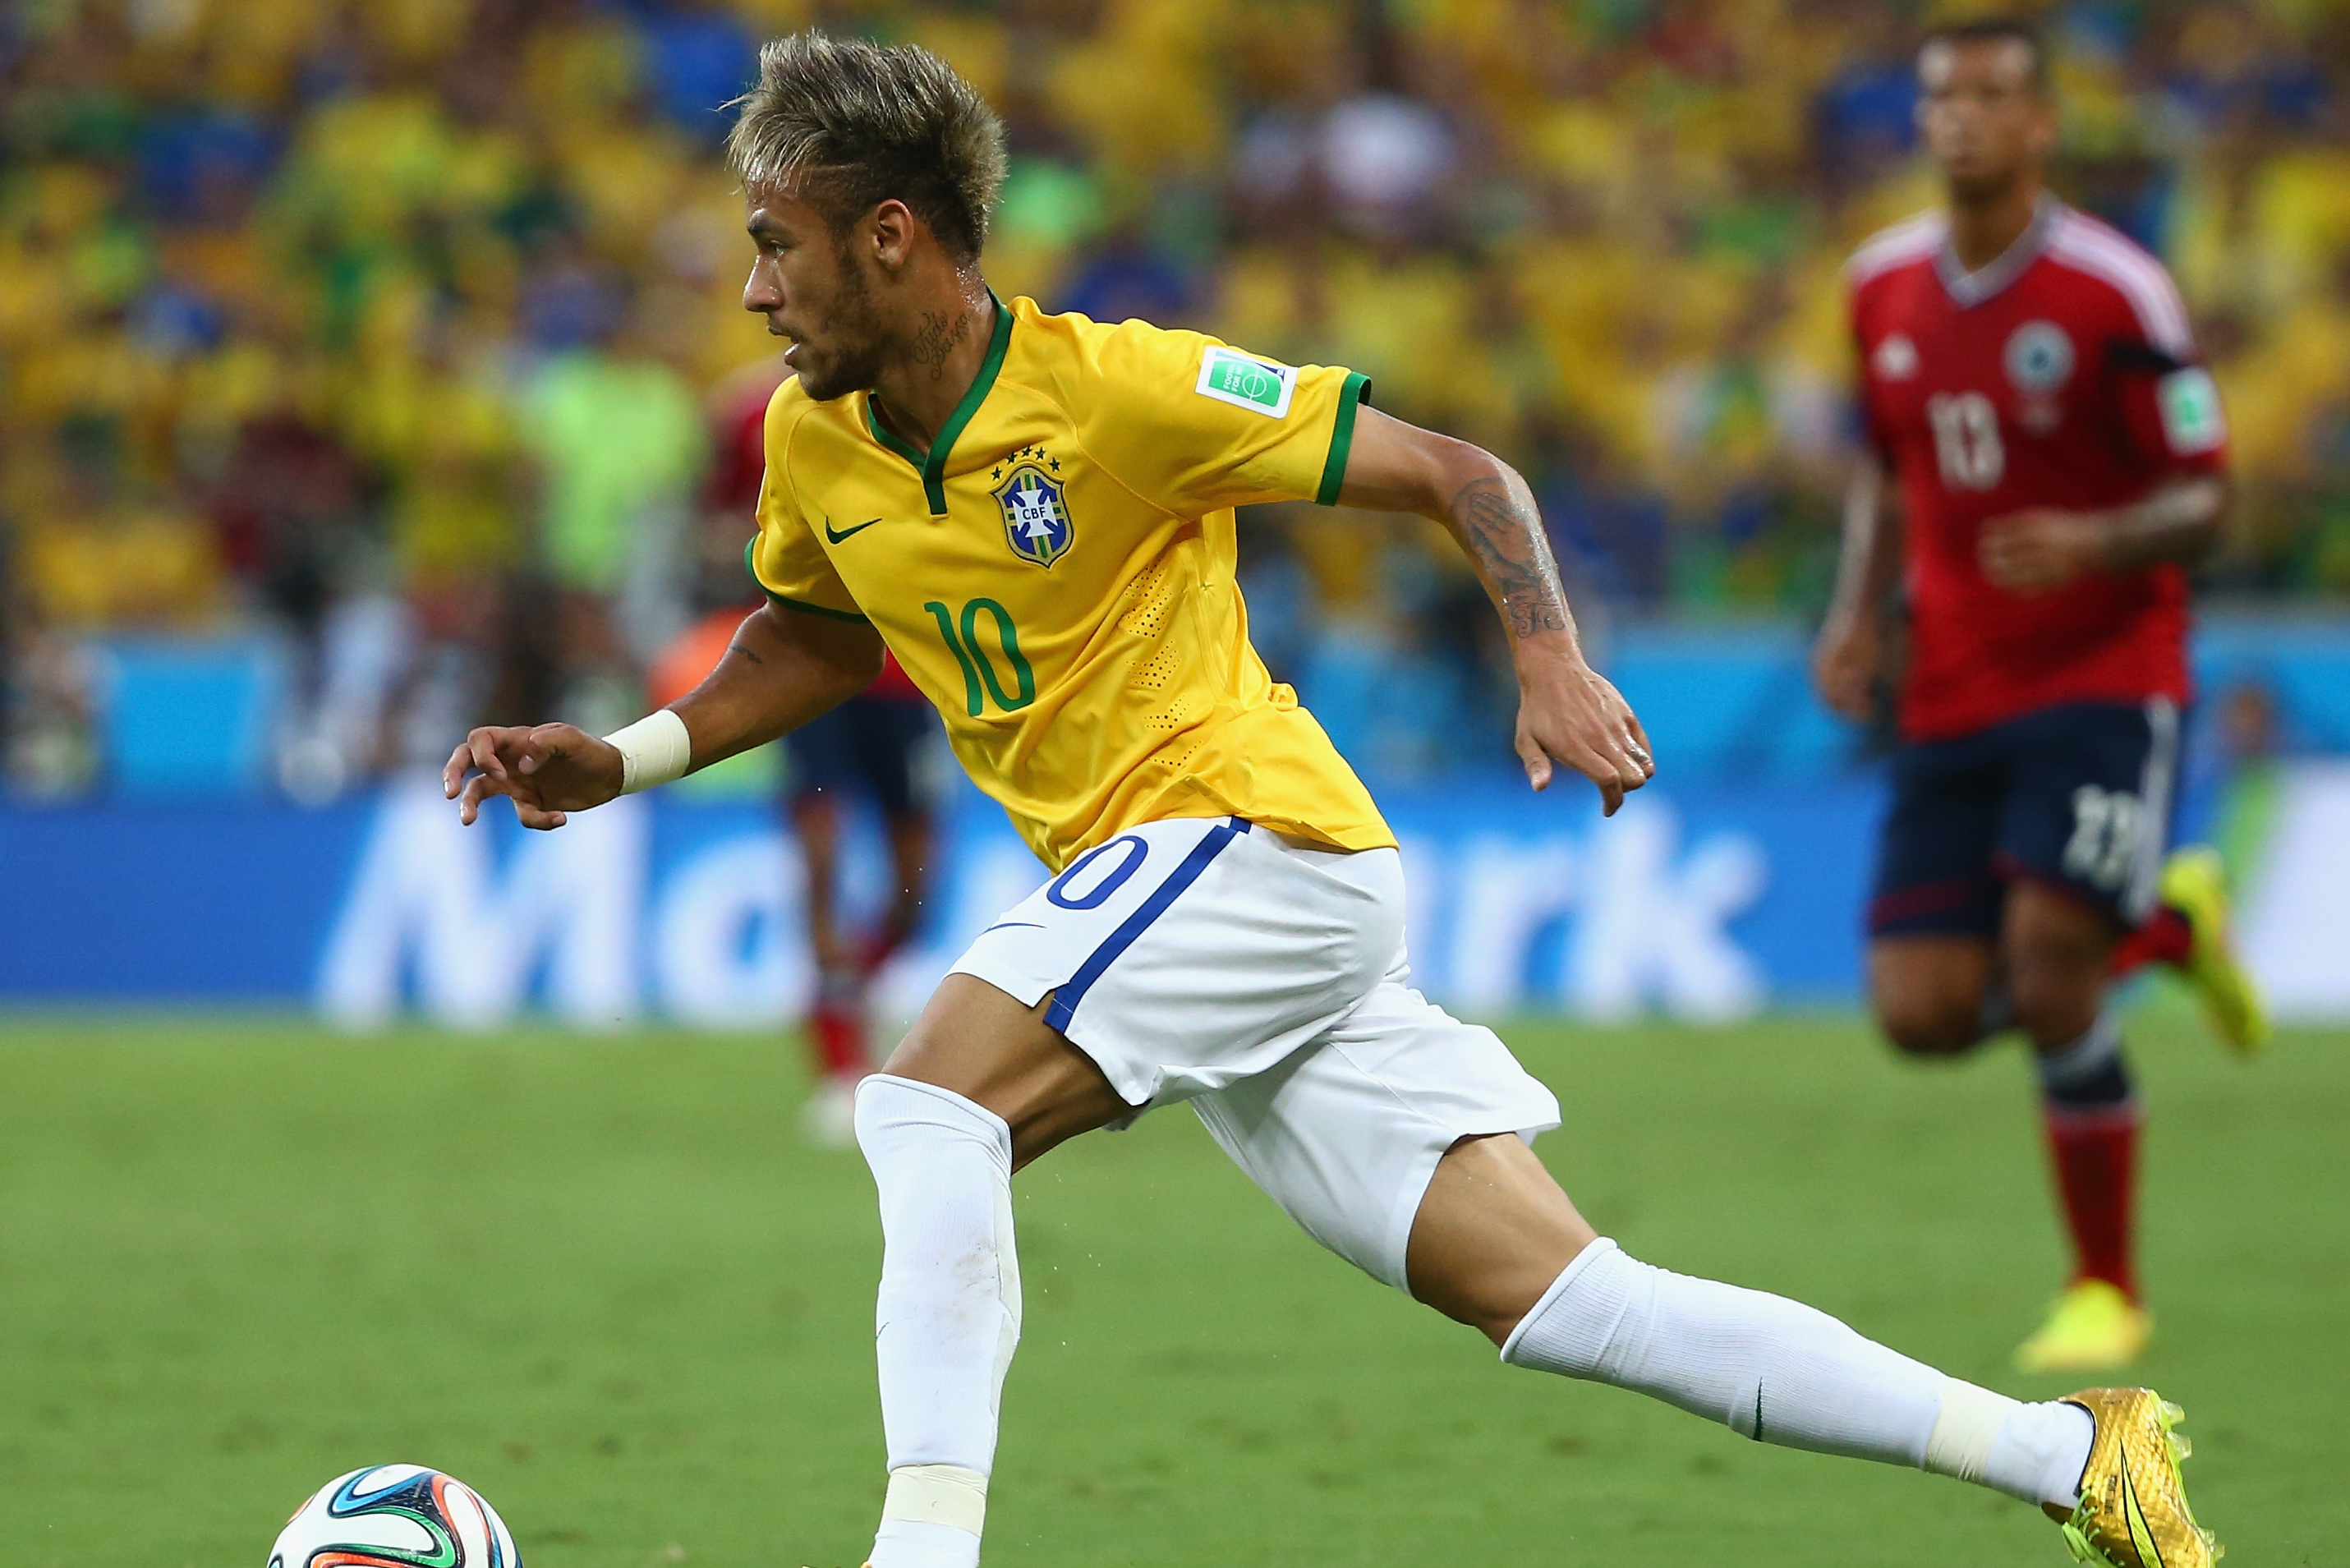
(2192, 419)
(1036, 511)
(1247, 382)
(2039, 357)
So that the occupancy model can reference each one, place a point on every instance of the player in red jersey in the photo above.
(873, 745)
(2055, 456)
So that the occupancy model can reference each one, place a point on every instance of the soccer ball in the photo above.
(395, 1516)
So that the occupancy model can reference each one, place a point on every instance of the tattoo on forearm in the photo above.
(1504, 538)
(939, 334)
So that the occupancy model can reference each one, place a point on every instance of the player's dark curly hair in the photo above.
(846, 124)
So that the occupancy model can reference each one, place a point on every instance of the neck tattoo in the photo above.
(937, 340)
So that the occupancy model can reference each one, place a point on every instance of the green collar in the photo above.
(934, 465)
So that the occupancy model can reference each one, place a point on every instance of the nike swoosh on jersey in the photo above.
(835, 535)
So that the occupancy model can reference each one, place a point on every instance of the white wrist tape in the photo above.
(937, 1494)
(653, 751)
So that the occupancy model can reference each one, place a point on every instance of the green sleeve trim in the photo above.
(933, 464)
(1353, 394)
(806, 608)
(800, 605)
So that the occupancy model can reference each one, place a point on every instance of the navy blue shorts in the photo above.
(870, 746)
(2076, 796)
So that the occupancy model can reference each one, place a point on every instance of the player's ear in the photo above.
(2047, 130)
(893, 223)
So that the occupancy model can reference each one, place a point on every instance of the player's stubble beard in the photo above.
(857, 341)
(1985, 188)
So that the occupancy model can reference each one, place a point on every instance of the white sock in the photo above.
(1784, 1373)
(2030, 1451)
(948, 1314)
(1766, 1368)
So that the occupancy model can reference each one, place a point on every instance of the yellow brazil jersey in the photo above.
(1057, 573)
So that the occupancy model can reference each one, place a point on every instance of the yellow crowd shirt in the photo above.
(1055, 574)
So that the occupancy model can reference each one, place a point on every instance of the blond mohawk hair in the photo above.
(846, 125)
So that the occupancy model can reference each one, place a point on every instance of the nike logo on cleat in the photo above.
(836, 535)
(2134, 1516)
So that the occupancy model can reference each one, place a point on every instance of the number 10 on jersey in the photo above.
(980, 680)
(1966, 440)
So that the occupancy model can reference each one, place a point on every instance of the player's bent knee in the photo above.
(1498, 1318)
(1944, 1030)
(1496, 1302)
(1493, 1233)
(1928, 991)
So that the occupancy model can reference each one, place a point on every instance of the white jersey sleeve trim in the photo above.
(1912, 240)
(2087, 245)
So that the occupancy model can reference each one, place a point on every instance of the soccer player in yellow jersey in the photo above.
(1034, 514)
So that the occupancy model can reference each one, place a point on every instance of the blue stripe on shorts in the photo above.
(1065, 999)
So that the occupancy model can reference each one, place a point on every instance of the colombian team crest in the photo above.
(1035, 517)
(2039, 357)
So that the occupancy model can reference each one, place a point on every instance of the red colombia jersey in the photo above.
(739, 415)
(2061, 375)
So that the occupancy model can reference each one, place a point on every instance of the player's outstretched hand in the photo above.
(547, 770)
(1577, 717)
(2033, 551)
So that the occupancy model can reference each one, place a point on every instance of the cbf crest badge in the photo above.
(1035, 511)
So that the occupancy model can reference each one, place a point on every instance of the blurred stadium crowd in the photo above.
(405, 334)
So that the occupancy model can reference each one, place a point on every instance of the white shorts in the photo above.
(1266, 982)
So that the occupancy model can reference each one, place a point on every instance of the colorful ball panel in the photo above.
(395, 1516)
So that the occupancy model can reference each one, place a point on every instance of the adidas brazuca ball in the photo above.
(395, 1516)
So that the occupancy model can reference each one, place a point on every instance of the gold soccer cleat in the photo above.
(2091, 1327)
(2132, 1510)
(2195, 883)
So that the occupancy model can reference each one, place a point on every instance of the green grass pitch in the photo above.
(604, 1281)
